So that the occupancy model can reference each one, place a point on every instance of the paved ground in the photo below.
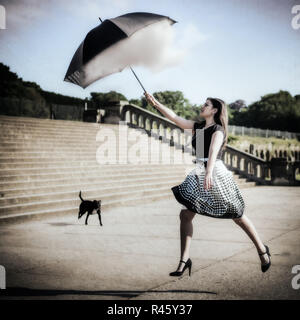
(131, 256)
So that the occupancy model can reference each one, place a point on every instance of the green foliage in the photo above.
(276, 111)
(137, 102)
(101, 98)
(6, 75)
(14, 87)
(56, 98)
(174, 100)
(24, 98)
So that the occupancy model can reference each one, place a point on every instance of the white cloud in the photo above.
(21, 13)
(190, 37)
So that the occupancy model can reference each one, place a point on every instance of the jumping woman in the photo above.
(209, 189)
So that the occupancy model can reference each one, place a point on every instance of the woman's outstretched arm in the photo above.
(170, 114)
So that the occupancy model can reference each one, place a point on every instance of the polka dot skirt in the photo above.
(222, 200)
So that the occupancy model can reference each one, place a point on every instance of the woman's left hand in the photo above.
(208, 180)
(151, 99)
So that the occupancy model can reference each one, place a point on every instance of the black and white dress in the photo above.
(223, 199)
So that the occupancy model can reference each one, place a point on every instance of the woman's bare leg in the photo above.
(186, 233)
(245, 223)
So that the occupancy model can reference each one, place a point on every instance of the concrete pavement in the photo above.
(131, 256)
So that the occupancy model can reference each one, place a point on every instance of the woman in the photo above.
(209, 189)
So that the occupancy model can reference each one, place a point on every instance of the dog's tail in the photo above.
(80, 196)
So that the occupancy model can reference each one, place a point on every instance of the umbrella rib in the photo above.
(74, 78)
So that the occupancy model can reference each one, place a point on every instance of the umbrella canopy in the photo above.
(98, 55)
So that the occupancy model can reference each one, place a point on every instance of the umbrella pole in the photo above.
(138, 80)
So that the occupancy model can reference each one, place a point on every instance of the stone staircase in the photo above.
(45, 163)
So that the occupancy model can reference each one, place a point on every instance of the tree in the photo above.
(101, 98)
(276, 111)
(238, 105)
(137, 102)
(174, 100)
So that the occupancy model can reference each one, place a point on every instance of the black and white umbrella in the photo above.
(98, 56)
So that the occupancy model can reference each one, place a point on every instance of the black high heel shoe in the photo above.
(188, 264)
(265, 267)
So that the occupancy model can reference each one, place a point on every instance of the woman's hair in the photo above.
(221, 116)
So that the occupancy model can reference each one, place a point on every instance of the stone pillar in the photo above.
(113, 111)
(279, 171)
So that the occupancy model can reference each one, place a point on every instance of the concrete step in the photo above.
(115, 138)
(81, 148)
(82, 161)
(72, 138)
(8, 125)
(91, 191)
(48, 144)
(60, 156)
(75, 201)
(29, 123)
(67, 134)
(79, 139)
(73, 210)
(69, 187)
(96, 168)
(16, 143)
(105, 173)
(37, 174)
(48, 164)
(72, 163)
(45, 122)
(33, 129)
(6, 185)
(53, 131)
(22, 148)
(90, 129)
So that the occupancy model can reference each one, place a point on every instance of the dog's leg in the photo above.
(86, 219)
(99, 215)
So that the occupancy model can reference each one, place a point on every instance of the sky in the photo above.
(235, 49)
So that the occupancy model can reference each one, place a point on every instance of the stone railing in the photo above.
(277, 171)
(247, 165)
(153, 124)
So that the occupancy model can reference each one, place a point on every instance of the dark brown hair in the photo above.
(221, 116)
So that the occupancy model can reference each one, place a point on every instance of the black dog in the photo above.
(89, 206)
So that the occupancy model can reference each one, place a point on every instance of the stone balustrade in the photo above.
(274, 171)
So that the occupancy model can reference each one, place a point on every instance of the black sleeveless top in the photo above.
(205, 135)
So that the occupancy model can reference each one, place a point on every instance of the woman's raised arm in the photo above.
(170, 114)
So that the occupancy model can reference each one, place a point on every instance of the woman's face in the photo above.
(207, 109)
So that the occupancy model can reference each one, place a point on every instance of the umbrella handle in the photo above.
(138, 80)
